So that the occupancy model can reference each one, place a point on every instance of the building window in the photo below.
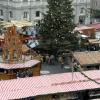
(81, 19)
(1, 12)
(1, 19)
(96, 3)
(82, 10)
(37, 13)
(11, 14)
(25, 0)
(37, 0)
(25, 14)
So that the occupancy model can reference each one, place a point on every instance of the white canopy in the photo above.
(21, 23)
(84, 36)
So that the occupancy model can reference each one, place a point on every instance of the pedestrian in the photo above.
(52, 60)
(47, 59)
(40, 57)
(61, 61)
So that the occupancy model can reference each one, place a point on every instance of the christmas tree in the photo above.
(56, 27)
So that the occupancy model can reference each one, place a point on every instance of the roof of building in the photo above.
(48, 84)
(80, 28)
(95, 25)
(94, 41)
(87, 58)
(86, 30)
(26, 64)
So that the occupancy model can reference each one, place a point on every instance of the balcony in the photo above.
(20, 4)
(80, 2)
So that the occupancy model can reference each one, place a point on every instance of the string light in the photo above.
(80, 70)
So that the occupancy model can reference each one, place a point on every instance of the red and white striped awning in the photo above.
(26, 64)
(47, 84)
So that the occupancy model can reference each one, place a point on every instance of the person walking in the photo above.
(47, 59)
(52, 60)
(61, 61)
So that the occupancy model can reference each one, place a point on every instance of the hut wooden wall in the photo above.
(36, 70)
(4, 76)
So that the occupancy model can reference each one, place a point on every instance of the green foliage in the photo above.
(57, 25)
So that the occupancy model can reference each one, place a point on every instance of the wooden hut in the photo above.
(85, 30)
(87, 60)
(52, 87)
(14, 65)
(94, 44)
(10, 71)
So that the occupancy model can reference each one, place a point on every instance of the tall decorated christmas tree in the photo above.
(56, 27)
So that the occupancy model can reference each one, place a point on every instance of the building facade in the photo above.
(22, 9)
(33, 9)
(95, 5)
(81, 11)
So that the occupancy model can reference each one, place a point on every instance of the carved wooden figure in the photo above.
(12, 48)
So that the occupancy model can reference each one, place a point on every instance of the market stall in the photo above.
(88, 60)
(14, 64)
(85, 30)
(52, 87)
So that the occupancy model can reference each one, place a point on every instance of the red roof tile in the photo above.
(96, 26)
(87, 58)
(47, 84)
(29, 63)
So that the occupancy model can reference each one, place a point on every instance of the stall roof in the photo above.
(26, 64)
(88, 31)
(48, 84)
(87, 58)
(80, 28)
(94, 41)
(95, 25)
(20, 23)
